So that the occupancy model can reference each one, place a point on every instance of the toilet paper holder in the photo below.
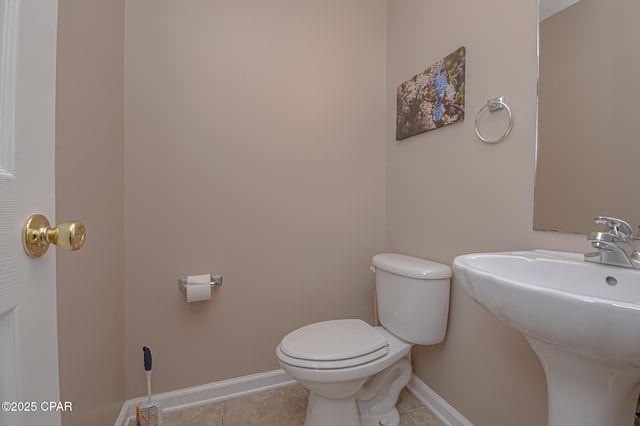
(215, 281)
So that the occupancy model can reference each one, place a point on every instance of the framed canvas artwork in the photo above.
(432, 99)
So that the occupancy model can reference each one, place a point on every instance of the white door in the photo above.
(28, 328)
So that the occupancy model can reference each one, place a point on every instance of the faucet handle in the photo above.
(617, 227)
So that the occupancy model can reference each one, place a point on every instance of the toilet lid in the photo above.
(334, 340)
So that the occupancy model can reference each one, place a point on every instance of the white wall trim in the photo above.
(246, 385)
(123, 418)
(434, 402)
(209, 393)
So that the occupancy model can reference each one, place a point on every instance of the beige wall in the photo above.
(254, 149)
(449, 194)
(89, 187)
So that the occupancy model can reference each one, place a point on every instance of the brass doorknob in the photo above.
(37, 234)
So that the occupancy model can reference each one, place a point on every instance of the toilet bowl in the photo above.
(354, 372)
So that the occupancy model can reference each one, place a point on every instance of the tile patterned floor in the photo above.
(283, 406)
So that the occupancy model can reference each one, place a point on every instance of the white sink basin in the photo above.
(582, 320)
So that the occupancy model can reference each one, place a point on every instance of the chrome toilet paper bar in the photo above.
(215, 281)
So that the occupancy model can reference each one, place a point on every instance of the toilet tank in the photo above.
(413, 297)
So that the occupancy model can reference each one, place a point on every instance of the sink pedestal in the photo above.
(583, 392)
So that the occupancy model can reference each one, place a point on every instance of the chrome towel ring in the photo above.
(494, 105)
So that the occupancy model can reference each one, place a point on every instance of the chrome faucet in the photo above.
(615, 245)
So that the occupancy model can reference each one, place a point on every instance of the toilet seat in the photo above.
(332, 345)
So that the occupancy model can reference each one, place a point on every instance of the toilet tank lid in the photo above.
(411, 267)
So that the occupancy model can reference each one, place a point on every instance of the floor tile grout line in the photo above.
(409, 411)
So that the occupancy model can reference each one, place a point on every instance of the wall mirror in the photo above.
(588, 147)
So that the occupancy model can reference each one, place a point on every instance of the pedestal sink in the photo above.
(581, 319)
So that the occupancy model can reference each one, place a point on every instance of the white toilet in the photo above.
(354, 372)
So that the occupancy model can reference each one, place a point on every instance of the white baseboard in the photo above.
(209, 393)
(123, 418)
(241, 386)
(434, 402)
